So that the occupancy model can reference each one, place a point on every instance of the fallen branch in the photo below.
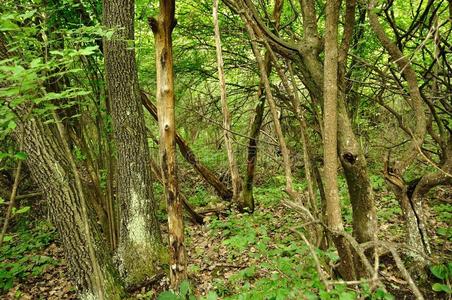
(194, 216)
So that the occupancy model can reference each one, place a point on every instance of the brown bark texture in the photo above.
(233, 169)
(330, 93)
(140, 242)
(162, 28)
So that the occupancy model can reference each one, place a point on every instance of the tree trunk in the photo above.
(272, 104)
(310, 66)
(394, 174)
(53, 169)
(247, 189)
(162, 29)
(86, 251)
(194, 216)
(333, 208)
(233, 169)
(355, 170)
(140, 242)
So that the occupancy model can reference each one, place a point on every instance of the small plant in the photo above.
(19, 255)
(443, 272)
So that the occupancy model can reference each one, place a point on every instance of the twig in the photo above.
(26, 196)
(12, 198)
(314, 255)
(405, 273)
(351, 240)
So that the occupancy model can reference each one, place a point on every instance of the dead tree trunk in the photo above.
(162, 28)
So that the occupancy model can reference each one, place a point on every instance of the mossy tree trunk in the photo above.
(140, 242)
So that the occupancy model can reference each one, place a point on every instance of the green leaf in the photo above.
(184, 288)
(23, 210)
(28, 14)
(439, 287)
(347, 296)
(20, 156)
(212, 296)
(12, 124)
(88, 50)
(440, 271)
(7, 238)
(168, 295)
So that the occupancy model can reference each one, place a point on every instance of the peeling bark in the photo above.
(162, 28)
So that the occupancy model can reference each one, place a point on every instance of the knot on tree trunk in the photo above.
(350, 157)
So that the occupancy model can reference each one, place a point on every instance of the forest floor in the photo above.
(233, 256)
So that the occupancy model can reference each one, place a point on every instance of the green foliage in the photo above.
(185, 293)
(444, 212)
(19, 256)
(443, 272)
(281, 266)
(201, 197)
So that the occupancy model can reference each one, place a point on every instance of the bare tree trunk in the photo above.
(221, 189)
(272, 104)
(394, 174)
(351, 155)
(333, 208)
(233, 169)
(162, 28)
(140, 244)
(307, 156)
(247, 189)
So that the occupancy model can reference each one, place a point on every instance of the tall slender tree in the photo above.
(233, 169)
(162, 27)
(330, 92)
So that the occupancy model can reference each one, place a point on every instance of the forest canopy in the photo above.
(235, 149)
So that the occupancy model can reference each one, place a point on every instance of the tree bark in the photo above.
(417, 237)
(306, 56)
(53, 169)
(140, 242)
(330, 92)
(247, 189)
(272, 104)
(86, 251)
(233, 169)
(162, 28)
